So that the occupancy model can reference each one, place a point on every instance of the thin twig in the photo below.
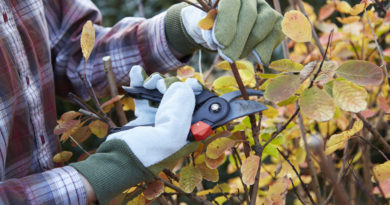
(213, 66)
(193, 4)
(377, 46)
(284, 43)
(295, 191)
(191, 196)
(374, 132)
(89, 114)
(205, 6)
(141, 8)
(237, 159)
(379, 186)
(224, 194)
(361, 186)
(78, 145)
(114, 89)
(375, 147)
(298, 175)
(317, 188)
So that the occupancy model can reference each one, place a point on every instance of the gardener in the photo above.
(40, 56)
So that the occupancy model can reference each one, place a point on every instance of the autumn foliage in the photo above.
(323, 139)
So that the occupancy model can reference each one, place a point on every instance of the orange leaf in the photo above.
(71, 115)
(66, 126)
(186, 72)
(154, 190)
(214, 163)
(207, 22)
(325, 12)
(249, 169)
(81, 135)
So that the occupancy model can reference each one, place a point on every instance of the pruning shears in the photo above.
(211, 111)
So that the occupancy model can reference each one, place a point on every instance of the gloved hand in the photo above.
(144, 112)
(129, 157)
(241, 27)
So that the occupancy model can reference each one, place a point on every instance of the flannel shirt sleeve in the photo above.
(56, 186)
(131, 41)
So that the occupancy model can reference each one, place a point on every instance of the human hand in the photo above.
(241, 27)
(145, 113)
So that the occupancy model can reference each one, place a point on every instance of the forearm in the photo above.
(91, 196)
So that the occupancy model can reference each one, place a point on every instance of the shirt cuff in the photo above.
(56, 186)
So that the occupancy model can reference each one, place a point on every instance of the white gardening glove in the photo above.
(144, 112)
(152, 144)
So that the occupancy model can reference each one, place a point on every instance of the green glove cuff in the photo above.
(112, 169)
(176, 33)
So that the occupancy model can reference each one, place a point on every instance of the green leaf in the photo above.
(282, 87)
(288, 101)
(286, 65)
(271, 150)
(361, 72)
(349, 96)
(190, 177)
(317, 105)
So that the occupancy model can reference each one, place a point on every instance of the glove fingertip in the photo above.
(151, 82)
(137, 76)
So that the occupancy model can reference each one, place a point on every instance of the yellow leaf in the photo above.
(217, 147)
(154, 190)
(87, 39)
(296, 26)
(98, 128)
(343, 7)
(207, 173)
(348, 96)
(249, 169)
(225, 84)
(271, 112)
(316, 104)
(127, 104)
(185, 72)
(361, 72)
(139, 200)
(277, 191)
(207, 22)
(216, 190)
(338, 141)
(286, 65)
(247, 74)
(190, 177)
(382, 171)
(241, 64)
(63, 156)
(357, 9)
(349, 19)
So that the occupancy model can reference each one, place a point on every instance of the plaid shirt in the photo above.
(40, 56)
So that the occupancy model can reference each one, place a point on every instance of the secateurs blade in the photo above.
(211, 111)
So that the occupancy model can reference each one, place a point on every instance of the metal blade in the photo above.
(236, 94)
(240, 108)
